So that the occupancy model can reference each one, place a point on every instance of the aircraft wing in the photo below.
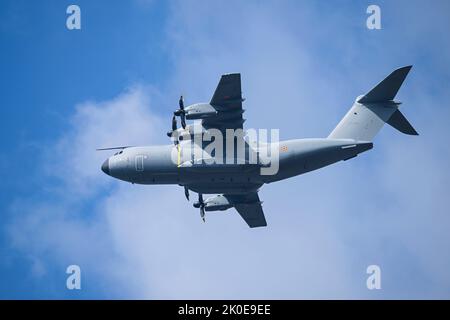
(227, 100)
(250, 209)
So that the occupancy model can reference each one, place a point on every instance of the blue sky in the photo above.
(117, 80)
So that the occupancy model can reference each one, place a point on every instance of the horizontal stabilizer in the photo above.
(388, 88)
(399, 122)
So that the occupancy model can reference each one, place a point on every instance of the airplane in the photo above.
(237, 184)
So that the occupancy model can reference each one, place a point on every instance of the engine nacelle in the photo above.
(217, 203)
(200, 111)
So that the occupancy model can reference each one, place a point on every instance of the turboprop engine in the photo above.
(215, 203)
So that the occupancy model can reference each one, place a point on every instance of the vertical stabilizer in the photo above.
(371, 111)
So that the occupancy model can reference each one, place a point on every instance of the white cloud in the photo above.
(121, 121)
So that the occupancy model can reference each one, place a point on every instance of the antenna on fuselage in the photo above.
(113, 148)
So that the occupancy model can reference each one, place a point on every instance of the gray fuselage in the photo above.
(161, 165)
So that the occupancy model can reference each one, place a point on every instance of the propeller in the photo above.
(181, 113)
(186, 192)
(200, 204)
(178, 113)
(174, 128)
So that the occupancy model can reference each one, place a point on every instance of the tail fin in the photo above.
(371, 111)
(388, 88)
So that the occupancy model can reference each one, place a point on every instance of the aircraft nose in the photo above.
(105, 166)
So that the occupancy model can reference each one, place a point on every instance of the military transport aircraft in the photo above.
(236, 183)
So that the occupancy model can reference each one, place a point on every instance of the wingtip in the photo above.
(231, 74)
(405, 68)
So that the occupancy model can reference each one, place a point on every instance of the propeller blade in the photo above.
(174, 123)
(202, 213)
(174, 129)
(183, 120)
(202, 206)
(181, 103)
(186, 192)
